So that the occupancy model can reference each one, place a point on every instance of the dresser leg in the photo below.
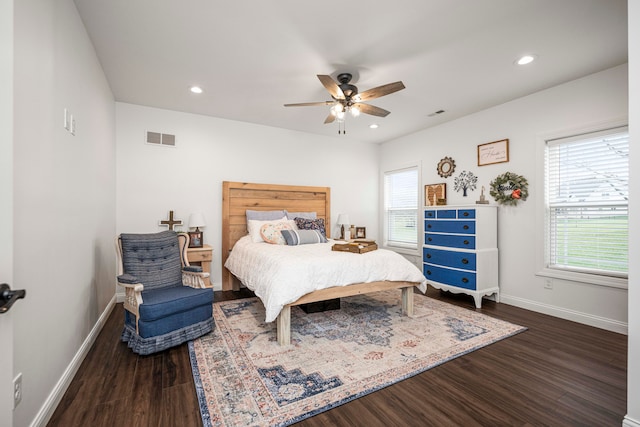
(478, 300)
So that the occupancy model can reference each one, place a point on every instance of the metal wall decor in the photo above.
(465, 181)
(446, 167)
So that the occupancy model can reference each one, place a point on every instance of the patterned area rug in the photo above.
(244, 378)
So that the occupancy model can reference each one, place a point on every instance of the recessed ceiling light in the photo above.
(373, 126)
(525, 59)
(196, 89)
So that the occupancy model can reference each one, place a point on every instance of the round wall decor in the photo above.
(509, 188)
(446, 167)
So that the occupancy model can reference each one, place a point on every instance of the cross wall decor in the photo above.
(171, 222)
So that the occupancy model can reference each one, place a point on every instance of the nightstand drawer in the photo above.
(461, 279)
(450, 241)
(460, 260)
(445, 226)
(199, 256)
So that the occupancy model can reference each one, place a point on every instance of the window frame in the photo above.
(407, 248)
(542, 249)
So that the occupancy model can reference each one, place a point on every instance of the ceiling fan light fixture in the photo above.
(355, 111)
(340, 115)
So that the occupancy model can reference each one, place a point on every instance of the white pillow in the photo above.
(254, 226)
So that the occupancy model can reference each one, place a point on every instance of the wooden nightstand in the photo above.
(202, 257)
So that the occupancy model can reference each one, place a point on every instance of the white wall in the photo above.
(6, 207)
(633, 368)
(152, 180)
(584, 102)
(64, 189)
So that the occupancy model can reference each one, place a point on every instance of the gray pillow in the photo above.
(302, 237)
(305, 215)
(265, 215)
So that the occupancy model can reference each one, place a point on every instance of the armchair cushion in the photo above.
(160, 303)
(193, 268)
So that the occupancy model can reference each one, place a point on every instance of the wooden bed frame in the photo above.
(237, 197)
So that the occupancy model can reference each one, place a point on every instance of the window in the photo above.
(401, 208)
(587, 195)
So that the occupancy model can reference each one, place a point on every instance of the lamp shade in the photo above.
(343, 219)
(196, 220)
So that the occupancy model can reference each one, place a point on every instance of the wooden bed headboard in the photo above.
(237, 197)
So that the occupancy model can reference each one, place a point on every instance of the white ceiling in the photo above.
(251, 57)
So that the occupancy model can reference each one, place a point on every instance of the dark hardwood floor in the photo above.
(558, 373)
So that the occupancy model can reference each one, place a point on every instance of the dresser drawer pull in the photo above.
(466, 227)
(465, 261)
(428, 256)
(429, 214)
(465, 214)
(429, 226)
(466, 242)
(428, 272)
(465, 280)
(429, 239)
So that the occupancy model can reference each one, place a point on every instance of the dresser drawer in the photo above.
(466, 213)
(450, 241)
(446, 226)
(446, 213)
(461, 260)
(460, 279)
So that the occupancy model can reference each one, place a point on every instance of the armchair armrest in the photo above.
(194, 279)
(128, 279)
(133, 295)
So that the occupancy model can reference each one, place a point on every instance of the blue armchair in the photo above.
(166, 302)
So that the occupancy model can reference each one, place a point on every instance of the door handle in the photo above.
(8, 297)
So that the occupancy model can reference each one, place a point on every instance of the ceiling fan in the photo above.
(347, 99)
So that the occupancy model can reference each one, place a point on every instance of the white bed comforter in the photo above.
(280, 274)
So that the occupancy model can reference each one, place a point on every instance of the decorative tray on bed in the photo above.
(357, 246)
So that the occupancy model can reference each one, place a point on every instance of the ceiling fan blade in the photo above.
(309, 104)
(373, 110)
(379, 91)
(331, 86)
(330, 119)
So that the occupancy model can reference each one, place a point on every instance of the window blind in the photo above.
(587, 196)
(401, 207)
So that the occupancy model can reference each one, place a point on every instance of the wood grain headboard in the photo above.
(237, 197)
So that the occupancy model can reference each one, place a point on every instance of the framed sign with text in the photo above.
(493, 152)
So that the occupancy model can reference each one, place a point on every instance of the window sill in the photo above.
(402, 250)
(592, 279)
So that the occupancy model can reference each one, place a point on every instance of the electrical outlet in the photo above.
(548, 283)
(17, 390)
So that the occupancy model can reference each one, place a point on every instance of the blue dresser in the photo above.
(460, 252)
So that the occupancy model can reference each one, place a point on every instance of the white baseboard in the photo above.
(628, 422)
(563, 313)
(48, 408)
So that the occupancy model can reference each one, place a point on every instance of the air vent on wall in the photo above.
(157, 138)
(435, 113)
